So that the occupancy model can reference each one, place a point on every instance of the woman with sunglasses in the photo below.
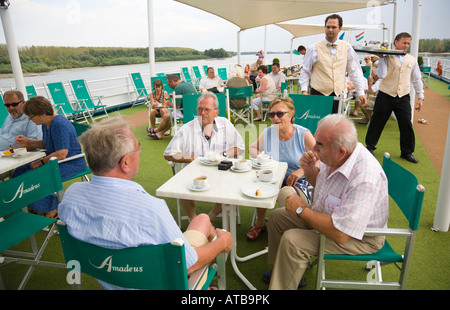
(59, 140)
(286, 142)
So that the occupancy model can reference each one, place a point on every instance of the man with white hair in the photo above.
(350, 195)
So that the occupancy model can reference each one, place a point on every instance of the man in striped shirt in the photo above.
(350, 195)
(114, 212)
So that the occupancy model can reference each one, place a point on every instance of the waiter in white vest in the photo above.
(396, 73)
(326, 63)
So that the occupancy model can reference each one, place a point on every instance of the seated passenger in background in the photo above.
(264, 91)
(211, 82)
(59, 140)
(113, 211)
(277, 76)
(159, 99)
(16, 123)
(237, 80)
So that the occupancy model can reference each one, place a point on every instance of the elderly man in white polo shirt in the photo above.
(206, 133)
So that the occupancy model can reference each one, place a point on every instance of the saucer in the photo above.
(272, 163)
(195, 189)
(207, 162)
(233, 168)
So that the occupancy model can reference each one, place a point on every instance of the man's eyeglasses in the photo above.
(278, 114)
(139, 148)
(14, 104)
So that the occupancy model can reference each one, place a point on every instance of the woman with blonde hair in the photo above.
(284, 141)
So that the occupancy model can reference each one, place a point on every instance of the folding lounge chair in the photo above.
(3, 111)
(31, 91)
(19, 225)
(187, 78)
(238, 113)
(83, 95)
(151, 267)
(63, 105)
(426, 74)
(222, 73)
(407, 194)
(141, 90)
(197, 73)
(310, 109)
(79, 128)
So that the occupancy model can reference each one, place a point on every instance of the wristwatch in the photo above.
(299, 211)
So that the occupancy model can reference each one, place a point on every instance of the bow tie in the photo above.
(333, 45)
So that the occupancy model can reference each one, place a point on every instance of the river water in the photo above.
(100, 73)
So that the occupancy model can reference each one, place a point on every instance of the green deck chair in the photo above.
(310, 109)
(187, 78)
(151, 267)
(190, 106)
(222, 73)
(3, 111)
(19, 225)
(205, 69)
(426, 74)
(197, 73)
(141, 90)
(239, 113)
(31, 91)
(63, 105)
(79, 128)
(407, 194)
(83, 95)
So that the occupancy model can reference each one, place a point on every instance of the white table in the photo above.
(8, 163)
(226, 188)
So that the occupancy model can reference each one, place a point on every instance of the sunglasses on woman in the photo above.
(14, 104)
(278, 114)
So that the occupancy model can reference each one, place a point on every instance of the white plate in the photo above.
(233, 168)
(3, 155)
(195, 189)
(267, 190)
(23, 155)
(272, 163)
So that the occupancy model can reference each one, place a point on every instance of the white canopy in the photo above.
(298, 30)
(254, 13)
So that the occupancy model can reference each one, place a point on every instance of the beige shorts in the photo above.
(197, 239)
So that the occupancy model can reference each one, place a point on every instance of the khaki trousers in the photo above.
(292, 243)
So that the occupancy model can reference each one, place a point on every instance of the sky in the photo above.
(123, 23)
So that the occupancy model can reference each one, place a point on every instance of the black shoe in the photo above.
(410, 158)
(268, 274)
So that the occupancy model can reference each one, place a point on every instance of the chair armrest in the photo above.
(196, 276)
(388, 232)
(70, 158)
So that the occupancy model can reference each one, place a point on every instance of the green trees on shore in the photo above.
(434, 46)
(37, 59)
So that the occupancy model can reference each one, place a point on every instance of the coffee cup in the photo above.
(264, 175)
(200, 182)
(20, 151)
(213, 156)
(263, 159)
(241, 164)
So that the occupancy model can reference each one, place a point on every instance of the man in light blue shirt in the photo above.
(114, 212)
(16, 123)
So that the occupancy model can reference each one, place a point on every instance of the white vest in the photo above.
(398, 77)
(327, 74)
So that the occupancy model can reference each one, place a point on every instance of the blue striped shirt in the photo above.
(117, 213)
